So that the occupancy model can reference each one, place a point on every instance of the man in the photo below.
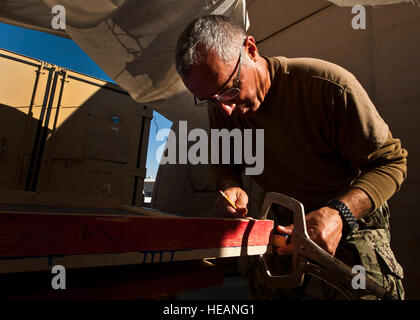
(324, 143)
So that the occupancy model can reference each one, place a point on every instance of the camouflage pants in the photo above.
(369, 247)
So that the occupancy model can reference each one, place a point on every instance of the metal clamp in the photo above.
(326, 267)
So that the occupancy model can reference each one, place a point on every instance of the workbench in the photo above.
(115, 251)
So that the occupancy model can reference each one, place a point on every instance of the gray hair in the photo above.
(209, 32)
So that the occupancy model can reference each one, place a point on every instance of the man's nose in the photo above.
(227, 106)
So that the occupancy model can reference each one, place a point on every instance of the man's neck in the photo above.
(264, 77)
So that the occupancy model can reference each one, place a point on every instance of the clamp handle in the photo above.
(295, 279)
(305, 249)
(289, 203)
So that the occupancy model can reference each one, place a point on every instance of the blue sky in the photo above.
(66, 53)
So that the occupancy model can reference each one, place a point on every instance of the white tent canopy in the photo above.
(132, 41)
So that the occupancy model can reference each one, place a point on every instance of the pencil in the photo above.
(226, 197)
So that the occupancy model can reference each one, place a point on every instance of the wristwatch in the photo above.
(346, 215)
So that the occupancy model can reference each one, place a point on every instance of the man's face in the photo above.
(212, 77)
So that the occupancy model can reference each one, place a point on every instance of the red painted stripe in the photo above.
(59, 234)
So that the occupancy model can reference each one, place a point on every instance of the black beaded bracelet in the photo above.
(345, 214)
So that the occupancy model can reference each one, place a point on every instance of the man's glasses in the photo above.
(231, 92)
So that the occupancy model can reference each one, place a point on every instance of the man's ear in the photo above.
(251, 47)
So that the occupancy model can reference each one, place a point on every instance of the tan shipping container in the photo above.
(65, 132)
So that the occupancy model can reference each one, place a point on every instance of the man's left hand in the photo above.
(324, 227)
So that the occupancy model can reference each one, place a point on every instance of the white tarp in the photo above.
(132, 41)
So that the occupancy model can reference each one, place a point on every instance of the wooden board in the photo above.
(33, 239)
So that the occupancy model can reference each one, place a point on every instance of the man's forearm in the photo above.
(358, 202)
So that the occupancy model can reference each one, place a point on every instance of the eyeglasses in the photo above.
(231, 92)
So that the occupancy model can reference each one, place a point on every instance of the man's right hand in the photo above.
(238, 196)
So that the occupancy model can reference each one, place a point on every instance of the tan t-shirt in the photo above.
(322, 135)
